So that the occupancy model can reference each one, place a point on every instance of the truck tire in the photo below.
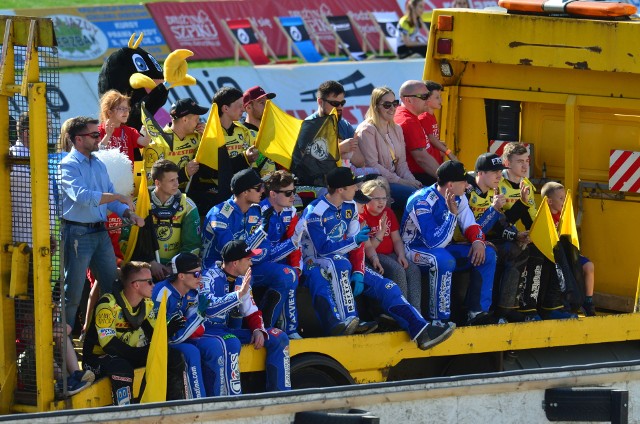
(313, 371)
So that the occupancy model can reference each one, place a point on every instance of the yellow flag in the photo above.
(278, 134)
(156, 369)
(543, 231)
(143, 204)
(567, 224)
(332, 132)
(212, 140)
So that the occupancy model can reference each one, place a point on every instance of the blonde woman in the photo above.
(382, 145)
(412, 32)
(385, 239)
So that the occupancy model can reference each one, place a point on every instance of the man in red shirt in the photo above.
(423, 157)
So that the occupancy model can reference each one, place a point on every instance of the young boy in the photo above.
(436, 147)
(556, 195)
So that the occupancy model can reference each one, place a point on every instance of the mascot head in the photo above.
(125, 62)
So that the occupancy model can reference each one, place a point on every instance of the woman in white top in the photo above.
(382, 145)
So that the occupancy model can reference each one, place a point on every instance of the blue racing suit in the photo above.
(226, 222)
(223, 323)
(283, 250)
(427, 230)
(327, 236)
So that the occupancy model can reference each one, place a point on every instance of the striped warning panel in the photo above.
(624, 171)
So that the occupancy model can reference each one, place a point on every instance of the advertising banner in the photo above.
(87, 35)
(295, 86)
(196, 25)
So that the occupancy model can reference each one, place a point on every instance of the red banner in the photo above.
(196, 25)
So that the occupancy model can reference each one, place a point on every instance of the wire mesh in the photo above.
(21, 144)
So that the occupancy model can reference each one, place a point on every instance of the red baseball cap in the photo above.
(255, 93)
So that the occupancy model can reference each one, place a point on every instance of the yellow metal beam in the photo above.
(571, 134)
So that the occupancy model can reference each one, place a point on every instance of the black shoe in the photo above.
(366, 327)
(346, 327)
(482, 318)
(589, 309)
(433, 334)
(512, 315)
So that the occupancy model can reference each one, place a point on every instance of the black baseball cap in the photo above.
(255, 93)
(489, 162)
(184, 107)
(184, 262)
(342, 177)
(451, 171)
(244, 180)
(236, 250)
(361, 198)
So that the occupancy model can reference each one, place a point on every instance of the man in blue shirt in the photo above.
(87, 193)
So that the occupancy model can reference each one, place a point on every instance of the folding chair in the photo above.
(246, 39)
(344, 29)
(386, 24)
(299, 40)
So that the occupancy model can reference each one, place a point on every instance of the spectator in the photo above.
(118, 338)
(430, 125)
(175, 218)
(253, 102)
(240, 218)
(412, 34)
(428, 224)
(114, 133)
(330, 95)
(178, 142)
(86, 194)
(232, 278)
(556, 195)
(382, 144)
(387, 243)
(422, 163)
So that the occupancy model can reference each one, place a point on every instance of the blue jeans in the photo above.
(400, 193)
(86, 248)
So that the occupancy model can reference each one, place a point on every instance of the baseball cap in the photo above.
(236, 250)
(184, 107)
(184, 262)
(255, 93)
(342, 177)
(244, 180)
(361, 198)
(451, 171)
(489, 162)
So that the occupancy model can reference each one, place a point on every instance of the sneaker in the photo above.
(367, 327)
(512, 315)
(532, 316)
(294, 336)
(74, 386)
(84, 375)
(481, 318)
(346, 327)
(433, 334)
(557, 314)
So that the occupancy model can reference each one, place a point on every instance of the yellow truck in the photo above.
(568, 87)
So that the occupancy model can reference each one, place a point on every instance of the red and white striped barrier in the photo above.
(624, 171)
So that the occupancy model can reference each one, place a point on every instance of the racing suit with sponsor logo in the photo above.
(223, 323)
(117, 342)
(226, 222)
(203, 355)
(176, 224)
(427, 230)
(512, 258)
(283, 249)
(179, 151)
(327, 236)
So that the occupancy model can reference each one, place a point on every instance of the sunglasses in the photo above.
(145, 280)
(424, 96)
(258, 187)
(287, 193)
(95, 135)
(335, 103)
(387, 105)
(196, 274)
